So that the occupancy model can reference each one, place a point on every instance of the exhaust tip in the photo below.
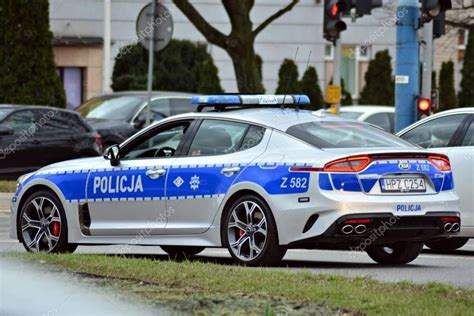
(347, 229)
(447, 227)
(360, 229)
(455, 227)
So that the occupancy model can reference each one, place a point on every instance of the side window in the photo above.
(380, 119)
(159, 144)
(181, 105)
(216, 137)
(22, 121)
(469, 137)
(55, 122)
(252, 138)
(435, 133)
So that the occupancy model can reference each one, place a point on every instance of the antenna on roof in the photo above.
(288, 79)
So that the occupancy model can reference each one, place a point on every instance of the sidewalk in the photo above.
(5, 200)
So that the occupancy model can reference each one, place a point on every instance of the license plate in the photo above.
(403, 185)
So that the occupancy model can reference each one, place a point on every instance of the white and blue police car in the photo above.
(254, 174)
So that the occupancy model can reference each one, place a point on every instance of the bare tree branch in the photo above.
(211, 34)
(275, 16)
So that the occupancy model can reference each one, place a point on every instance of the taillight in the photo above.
(349, 164)
(98, 141)
(441, 162)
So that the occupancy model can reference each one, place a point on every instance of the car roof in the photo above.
(144, 94)
(367, 108)
(276, 118)
(14, 107)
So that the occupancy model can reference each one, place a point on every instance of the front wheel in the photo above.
(449, 244)
(182, 252)
(42, 224)
(250, 234)
(399, 253)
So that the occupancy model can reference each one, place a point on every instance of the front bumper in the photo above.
(352, 231)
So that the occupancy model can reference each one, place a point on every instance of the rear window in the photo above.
(344, 135)
(4, 113)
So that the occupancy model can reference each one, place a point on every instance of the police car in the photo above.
(253, 174)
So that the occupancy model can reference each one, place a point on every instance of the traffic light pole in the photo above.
(151, 51)
(407, 82)
(337, 68)
(427, 60)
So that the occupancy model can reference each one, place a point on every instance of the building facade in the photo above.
(78, 29)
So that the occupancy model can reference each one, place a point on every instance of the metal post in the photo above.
(337, 69)
(150, 60)
(427, 60)
(106, 57)
(407, 79)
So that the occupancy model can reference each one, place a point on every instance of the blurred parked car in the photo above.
(382, 116)
(452, 133)
(35, 136)
(119, 115)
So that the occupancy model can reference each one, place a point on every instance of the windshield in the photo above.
(115, 108)
(350, 115)
(4, 113)
(344, 135)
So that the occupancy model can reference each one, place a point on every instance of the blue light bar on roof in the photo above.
(256, 99)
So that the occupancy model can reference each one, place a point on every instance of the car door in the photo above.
(129, 199)
(199, 179)
(55, 135)
(462, 158)
(443, 135)
(19, 152)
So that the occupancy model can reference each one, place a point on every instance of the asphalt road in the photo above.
(455, 268)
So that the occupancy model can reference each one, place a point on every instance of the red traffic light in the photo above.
(424, 105)
(334, 11)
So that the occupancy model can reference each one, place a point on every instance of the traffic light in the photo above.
(364, 7)
(333, 24)
(439, 25)
(430, 9)
(424, 107)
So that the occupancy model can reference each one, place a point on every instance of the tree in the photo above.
(379, 87)
(309, 85)
(447, 93)
(288, 78)
(179, 67)
(27, 70)
(239, 43)
(466, 95)
(208, 79)
(434, 84)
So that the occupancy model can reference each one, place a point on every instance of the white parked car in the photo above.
(452, 133)
(382, 116)
(249, 176)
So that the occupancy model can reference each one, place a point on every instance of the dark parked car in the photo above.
(35, 136)
(119, 115)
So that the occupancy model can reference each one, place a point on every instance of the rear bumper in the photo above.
(362, 230)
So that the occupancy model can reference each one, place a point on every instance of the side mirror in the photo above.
(5, 131)
(112, 154)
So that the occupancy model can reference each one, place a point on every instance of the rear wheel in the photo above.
(447, 244)
(250, 234)
(182, 252)
(42, 224)
(399, 253)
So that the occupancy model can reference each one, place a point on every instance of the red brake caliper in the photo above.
(56, 227)
(241, 232)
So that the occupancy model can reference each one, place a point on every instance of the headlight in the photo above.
(23, 178)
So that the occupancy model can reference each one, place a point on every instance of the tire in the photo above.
(251, 240)
(42, 224)
(182, 252)
(447, 244)
(400, 253)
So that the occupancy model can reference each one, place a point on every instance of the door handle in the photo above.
(230, 171)
(36, 142)
(155, 173)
